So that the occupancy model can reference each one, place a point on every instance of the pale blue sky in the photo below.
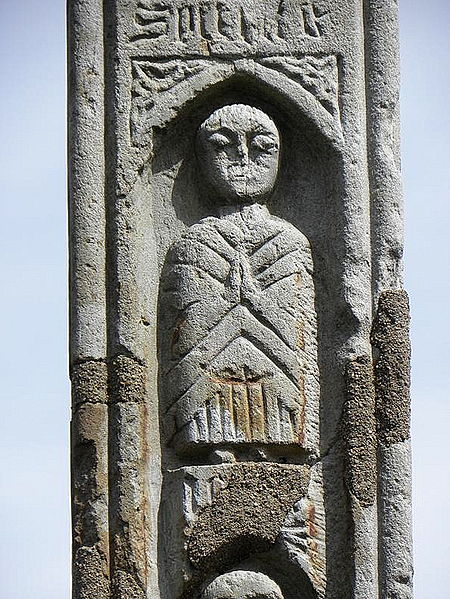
(34, 394)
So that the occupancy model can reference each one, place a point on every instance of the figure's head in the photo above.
(238, 149)
(242, 584)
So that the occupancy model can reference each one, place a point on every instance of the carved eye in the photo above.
(263, 143)
(219, 140)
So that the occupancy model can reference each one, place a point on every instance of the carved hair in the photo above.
(237, 111)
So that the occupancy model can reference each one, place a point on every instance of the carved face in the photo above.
(241, 584)
(238, 150)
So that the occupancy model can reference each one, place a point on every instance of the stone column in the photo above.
(239, 333)
(87, 254)
(390, 334)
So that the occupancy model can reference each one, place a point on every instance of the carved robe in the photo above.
(238, 335)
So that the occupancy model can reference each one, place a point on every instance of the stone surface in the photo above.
(239, 350)
(240, 584)
(239, 344)
(390, 336)
(360, 430)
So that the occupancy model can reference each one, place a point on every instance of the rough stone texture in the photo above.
(127, 382)
(299, 546)
(390, 335)
(191, 362)
(89, 382)
(383, 94)
(128, 453)
(90, 501)
(246, 516)
(90, 577)
(359, 430)
(89, 427)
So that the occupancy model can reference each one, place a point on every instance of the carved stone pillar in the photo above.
(239, 334)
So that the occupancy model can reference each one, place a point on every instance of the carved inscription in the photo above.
(236, 21)
(239, 334)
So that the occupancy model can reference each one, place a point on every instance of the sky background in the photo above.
(34, 390)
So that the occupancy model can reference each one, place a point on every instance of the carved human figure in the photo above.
(239, 327)
(241, 584)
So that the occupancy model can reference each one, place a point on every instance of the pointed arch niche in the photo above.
(309, 194)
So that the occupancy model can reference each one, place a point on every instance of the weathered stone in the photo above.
(89, 382)
(90, 501)
(239, 347)
(90, 577)
(128, 499)
(360, 430)
(235, 214)
(396, 563)
(390, 336)
(246, 515)
(240, 584)
(127, 380)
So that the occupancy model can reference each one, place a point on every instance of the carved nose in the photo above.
(243, 152)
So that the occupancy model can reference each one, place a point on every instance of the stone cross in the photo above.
(239, 332)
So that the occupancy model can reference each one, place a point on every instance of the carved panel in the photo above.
(241, 299)
(239, 331)
(150, 79)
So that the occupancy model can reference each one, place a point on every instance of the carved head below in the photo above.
(238, 149)
(241, 584)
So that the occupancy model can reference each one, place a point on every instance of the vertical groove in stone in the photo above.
(392, 386)
(89, 426)
(359, 430)
(130, 344)
(390, 336)
(86, 181)
(383, 125)
(127, 426)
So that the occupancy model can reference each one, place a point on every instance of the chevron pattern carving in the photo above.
(239, 331)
